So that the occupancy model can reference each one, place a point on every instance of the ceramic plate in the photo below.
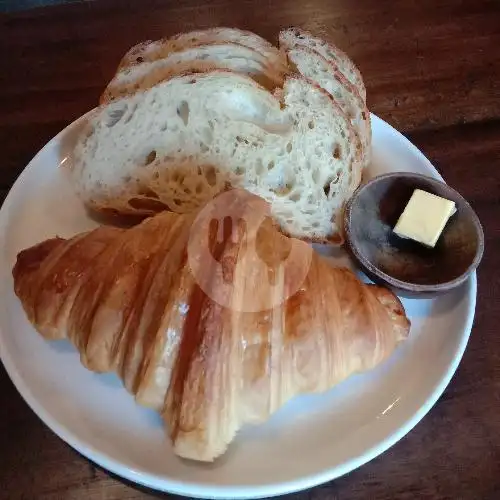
(311, 440)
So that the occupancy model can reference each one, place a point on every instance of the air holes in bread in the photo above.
(327, 187)
(115, 115)
(239, 171)
(150, 158)
(164, 127)
(270, 165)
(148, 193)
(282, 190)
(109, 212)
(147, 205)
(130, 114)
(204, 148)
(259, 168)
(241, 140)
(337, 151)
(311, 124)
(183, 112)
(211, 176)
(289, 147)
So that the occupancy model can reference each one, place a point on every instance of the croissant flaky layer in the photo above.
(213, 325)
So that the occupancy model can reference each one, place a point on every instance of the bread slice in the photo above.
(296, 37)
(202, 58)
(180, 143)
(314, 66)
(154, 50)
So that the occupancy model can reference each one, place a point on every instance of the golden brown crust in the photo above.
(307, 39)
(210, 342)
(272, 77)
(138, 53)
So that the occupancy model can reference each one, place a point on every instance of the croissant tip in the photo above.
(32, 257)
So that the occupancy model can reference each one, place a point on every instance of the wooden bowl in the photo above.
(407, 267)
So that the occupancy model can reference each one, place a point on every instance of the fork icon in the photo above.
(239, 259)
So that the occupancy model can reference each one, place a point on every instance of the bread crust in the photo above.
(171, 65)
(138, 53)
(300, 37)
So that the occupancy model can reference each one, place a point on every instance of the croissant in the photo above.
(213, 322)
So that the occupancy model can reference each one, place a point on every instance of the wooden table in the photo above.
(432, 70)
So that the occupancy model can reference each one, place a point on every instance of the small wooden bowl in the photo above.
(407, 267)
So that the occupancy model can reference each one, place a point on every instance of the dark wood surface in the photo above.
(432, 69)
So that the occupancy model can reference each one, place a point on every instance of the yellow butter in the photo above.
(424, 217)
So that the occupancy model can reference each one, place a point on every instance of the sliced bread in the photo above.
(314, 66)
(153, 50)
(228, 55)
(181, 142)
(296, 37)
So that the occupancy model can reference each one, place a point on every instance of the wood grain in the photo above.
(432, 69)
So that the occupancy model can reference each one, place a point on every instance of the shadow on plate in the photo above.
(109, 380)
(448, 302)
(137, 487)
(61, 346)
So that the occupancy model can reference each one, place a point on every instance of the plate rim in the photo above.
(201, 490)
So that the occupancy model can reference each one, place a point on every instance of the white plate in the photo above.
(311, 440)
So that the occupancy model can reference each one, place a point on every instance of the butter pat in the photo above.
(424, 217)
